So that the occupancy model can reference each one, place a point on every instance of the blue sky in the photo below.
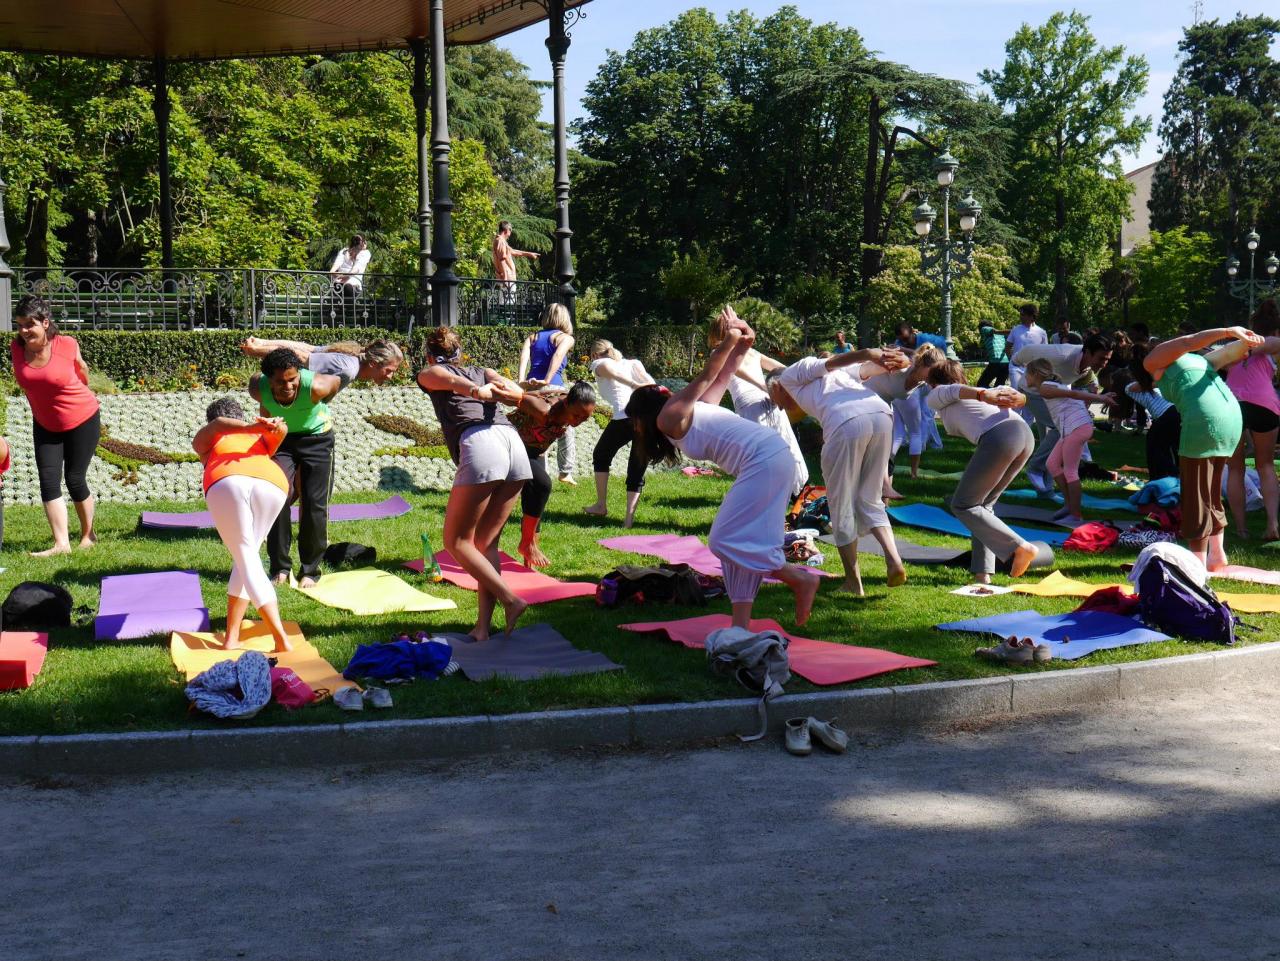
(952, 38)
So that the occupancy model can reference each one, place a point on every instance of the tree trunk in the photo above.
(871, 261)
(1059, 262)
(36, 249)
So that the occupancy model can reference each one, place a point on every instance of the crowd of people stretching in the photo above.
(1205, 398)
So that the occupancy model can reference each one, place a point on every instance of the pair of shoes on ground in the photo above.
(1015, 650)
(353, 699)
(802, 731)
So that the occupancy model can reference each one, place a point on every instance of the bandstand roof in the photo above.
(219, 29)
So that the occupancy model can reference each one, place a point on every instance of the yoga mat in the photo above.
(900, 470)
(530, 586)
(391, 507)
(909, 552)
(1236, 572)
(1086, 500)
(196, 652)
(21, 657)
(1069, 636)
(1024, 512)
(935, 518)
(821, 662)
(529, 652)
(159, 602)
(679, 549)
(367, 590)
(1058, 584)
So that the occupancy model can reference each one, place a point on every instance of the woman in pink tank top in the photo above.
(1252, 381)
(65, 419)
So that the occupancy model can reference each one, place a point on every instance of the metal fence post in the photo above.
(6, 273)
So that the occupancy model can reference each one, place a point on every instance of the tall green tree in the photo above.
(689, 139)
(1068, 100)
(1173, 280)
(1221, 132)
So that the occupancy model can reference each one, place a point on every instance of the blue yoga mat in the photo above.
(1086, 500)
(936, 519)
(1069, 636)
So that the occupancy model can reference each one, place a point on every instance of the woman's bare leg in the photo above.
(84, 511)
(1235, 488)
(488, 530)
(895, 570)
(56, 512)
(461, 517)
(601, 507)
(633, 500)
(529, 548)
(804, 585)
(236, 608)
(1264, 457)
(852, 573)
(271, 617)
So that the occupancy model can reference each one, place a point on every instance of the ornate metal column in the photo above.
(6, 272)
(160, 106)
(419, 47)
(444, 282)
(558, 47)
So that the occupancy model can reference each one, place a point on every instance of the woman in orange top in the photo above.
(245, 491)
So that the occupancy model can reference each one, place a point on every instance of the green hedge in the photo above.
(175, 359)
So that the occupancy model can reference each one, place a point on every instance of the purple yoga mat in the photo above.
(140, 605)
(391, 507)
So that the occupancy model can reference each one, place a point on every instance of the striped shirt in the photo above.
(1068, 413)
(1152, 400)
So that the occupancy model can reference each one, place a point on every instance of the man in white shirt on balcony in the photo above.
(347, 272)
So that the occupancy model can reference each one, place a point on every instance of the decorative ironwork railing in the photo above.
(218, 298)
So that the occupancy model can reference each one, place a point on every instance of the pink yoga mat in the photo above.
(1254, 575)
(678, 549)
(391, 507)
(821, 662)
(529, 585)
(21, 657)
(140, 605)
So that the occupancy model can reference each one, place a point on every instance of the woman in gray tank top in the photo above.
(492, 469)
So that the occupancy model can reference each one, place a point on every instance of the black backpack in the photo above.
(664, 583)
(34, 606)
(348, 552)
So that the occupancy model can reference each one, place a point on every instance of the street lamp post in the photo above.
(1250, 289)
(946, 259)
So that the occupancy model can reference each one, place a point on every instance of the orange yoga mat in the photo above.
(193, 653)
(821, 662)
(529, 585)
(21, 657)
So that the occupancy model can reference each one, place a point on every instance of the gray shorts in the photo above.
(491, 452)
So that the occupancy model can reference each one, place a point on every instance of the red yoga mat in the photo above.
(1254, 575)
(21, 657)
(821, 662)
(528, 584)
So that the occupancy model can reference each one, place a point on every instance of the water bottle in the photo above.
(429, 565)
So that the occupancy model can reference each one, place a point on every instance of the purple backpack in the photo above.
(1171, 602)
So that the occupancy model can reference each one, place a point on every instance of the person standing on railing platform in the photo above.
(298, 396)
(347, 272)
(65, 421)
(376, 361)
(504, 264)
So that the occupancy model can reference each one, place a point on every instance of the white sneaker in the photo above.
(378, 697)
(349, 699)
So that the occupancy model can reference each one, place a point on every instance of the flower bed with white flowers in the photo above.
(167, 422)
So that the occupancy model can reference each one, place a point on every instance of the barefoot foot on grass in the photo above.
(1023, 555)
(533, 556)
(53, 551)
(512, 613)
(853, 587)
(596, 510)
(805, 592)
(896, 576)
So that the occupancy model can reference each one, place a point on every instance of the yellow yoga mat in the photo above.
(371, 591)
(193, 653)
(1059, 585)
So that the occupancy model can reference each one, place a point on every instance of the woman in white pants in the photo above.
(245, 490)
(857, 431)
(748, 532)
(904, 391)
(751, 400)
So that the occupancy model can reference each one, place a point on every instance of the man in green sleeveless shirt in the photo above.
(297, 396)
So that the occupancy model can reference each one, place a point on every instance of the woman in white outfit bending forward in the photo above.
(857, 434)
(751, 400)
(748, 532)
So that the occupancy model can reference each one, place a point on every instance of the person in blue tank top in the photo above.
(543, 358)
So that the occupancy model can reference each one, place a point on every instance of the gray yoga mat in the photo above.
(529, 652)
(909, 552)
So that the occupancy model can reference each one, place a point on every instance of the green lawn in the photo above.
(90, 686)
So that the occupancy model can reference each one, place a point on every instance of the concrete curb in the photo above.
(908, 706)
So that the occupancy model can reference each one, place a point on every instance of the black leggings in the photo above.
(615, 437)
(537, 490)
(994, 374)
(69, 451)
